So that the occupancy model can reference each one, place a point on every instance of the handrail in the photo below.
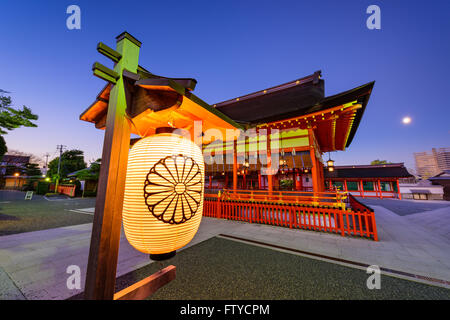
(357, 205)
(322, 218)
(335, 199)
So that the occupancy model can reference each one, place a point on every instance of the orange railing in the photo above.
(325, 218)
(330, 198)
(67, 189)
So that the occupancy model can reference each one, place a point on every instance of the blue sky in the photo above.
(233, 48)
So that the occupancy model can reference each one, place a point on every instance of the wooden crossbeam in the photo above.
(148, 286)
(108, 52)
(105, 73)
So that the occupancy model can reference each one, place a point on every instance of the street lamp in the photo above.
(15, 181)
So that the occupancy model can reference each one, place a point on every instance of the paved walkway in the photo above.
(436, 221)
(33, 265)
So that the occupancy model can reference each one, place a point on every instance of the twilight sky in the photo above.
(233, 48)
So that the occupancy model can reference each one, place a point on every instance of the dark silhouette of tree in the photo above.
(3, 147)
(380, 162)
(71, 161)
(12, 118)
(32, 169)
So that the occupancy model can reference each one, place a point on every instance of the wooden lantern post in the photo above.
(104, 249)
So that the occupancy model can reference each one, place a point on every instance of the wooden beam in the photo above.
(398, 191)
(269, 163)
(105, 73)
(148, 286)
(379, 188)
(314, 169)
(108, 52)
(235, 178)
(104, 247)
(100, 123)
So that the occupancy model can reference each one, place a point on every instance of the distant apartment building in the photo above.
(431, 164)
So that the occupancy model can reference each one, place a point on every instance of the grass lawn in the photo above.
(225, 269)
(18, 215)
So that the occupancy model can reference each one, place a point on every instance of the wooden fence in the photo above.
(67, 189)
(355, 221)
(333, 198)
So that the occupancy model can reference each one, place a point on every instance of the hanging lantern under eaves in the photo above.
(330, 163)
(163, 199)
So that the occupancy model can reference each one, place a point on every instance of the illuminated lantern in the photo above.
(330, 163)
(163, 199)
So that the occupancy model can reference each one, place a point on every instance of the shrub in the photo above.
(42, 187)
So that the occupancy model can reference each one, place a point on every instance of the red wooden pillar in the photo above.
(259, 181)
(345, 185)
(298, 182)
(269, 163)
(398, 191)
(235, 178)
(315, 171)
(362, 188)
(318, 183)
(379, 188)
(375, 187)
(210, 182)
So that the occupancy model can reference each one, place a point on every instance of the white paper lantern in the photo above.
(163, 200)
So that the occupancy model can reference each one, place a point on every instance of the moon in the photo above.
(406, 120)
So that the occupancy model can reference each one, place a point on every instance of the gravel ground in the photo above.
(403, 207)
(18, 215)
(224, 269)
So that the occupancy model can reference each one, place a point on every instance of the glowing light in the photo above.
(406, 120)
(163, 199)
(16, 174)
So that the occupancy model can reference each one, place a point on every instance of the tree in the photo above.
(32, 169)
(91, 173)
(3, 147)
(71, 160)
(380, 162)
(11, 118)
